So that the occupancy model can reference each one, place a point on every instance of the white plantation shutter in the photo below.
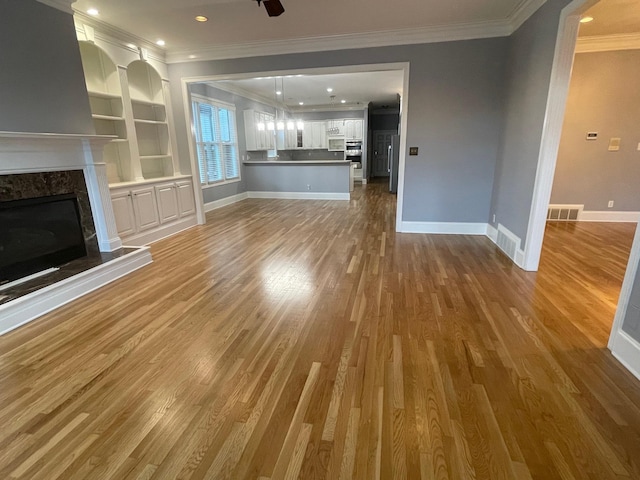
(216, 141)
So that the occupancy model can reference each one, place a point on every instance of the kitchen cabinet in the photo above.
(259, 128)
(354, 129)
(314, 135)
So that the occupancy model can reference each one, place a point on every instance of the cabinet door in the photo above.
(271, 132)
(250, 129)
(167, 197)
(319, 135)
(359, 129)
(307, 135)
(145, 208)
(186, 199)
(123, 211)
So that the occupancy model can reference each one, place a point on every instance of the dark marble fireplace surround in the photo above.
(33, 185)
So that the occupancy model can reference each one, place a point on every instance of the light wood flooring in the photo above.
(306, 339)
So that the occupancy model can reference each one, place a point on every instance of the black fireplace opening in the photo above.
(39, 233)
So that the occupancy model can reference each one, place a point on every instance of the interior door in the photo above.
(381, 142)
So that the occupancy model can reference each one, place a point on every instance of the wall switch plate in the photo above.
(592, 135)
(614, 145)
(610, 204)
(413, 151)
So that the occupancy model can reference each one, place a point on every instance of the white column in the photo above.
(95, 174)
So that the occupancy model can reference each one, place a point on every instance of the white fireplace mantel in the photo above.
(24, 152)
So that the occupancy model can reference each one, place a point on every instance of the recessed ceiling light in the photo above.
(93, 11)
(329, 89)
(278, 92)
(586, 19)
(300, 103)
(343, 101)
(201, 18)
(160, 43)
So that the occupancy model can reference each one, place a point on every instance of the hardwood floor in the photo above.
(306, 339)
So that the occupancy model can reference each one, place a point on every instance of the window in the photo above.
(216, 141)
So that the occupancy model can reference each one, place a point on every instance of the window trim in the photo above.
(194, 139)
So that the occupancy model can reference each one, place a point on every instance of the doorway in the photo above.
(381, 144)
(622, 345)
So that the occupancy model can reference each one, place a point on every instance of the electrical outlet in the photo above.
(308, 187)
(494, 218)
(610, 203)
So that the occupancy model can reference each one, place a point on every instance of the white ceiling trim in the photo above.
(116, 36)
(64, 5)
(344, 42)
(523, 11)
(607, 43)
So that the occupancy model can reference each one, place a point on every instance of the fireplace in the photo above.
(47, 175)
(38, 234)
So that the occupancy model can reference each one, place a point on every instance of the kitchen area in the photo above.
(302, 136)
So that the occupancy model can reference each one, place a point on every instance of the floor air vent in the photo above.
(564, 213)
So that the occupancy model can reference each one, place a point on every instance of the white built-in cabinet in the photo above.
(140, 210)
(314, 135)
(151, 198)
(354, 129)
(259, 128)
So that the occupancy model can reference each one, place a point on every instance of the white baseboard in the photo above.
(606, 216)
(29, 307)
(301, 195)
(627, 351)
(160, 233)
(223, 202)
(492, 233)
(447, 228)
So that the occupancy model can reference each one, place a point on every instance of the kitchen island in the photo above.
(299, 179)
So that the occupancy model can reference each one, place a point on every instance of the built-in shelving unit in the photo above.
(107, 109)
(129, 100)
(150, 118)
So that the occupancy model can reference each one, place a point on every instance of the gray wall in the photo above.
(454, 116)
(211, 194)
(530, 58)
(295, 178)
(42, 85)
(604, 97)
(384, 122)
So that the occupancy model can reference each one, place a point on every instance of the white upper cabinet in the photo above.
(354, 129)
(314, 135)
(335, 128)
(259, 130)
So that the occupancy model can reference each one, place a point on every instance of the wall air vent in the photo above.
(507, 244)
(564, 213)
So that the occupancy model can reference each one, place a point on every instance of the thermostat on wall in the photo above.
(592, 135)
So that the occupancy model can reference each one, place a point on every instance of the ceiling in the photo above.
(612, 17)
(357, 89)
(235, 22)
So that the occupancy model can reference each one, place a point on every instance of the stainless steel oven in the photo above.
(353, 148)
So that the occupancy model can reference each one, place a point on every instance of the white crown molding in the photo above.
(64, 5)
(523, 12)
(236, 90)
(607, 43)
(118, 37)
(412, 36)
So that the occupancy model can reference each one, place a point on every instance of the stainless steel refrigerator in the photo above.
(394, 163)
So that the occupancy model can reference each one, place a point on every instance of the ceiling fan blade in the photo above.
(274, 7)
